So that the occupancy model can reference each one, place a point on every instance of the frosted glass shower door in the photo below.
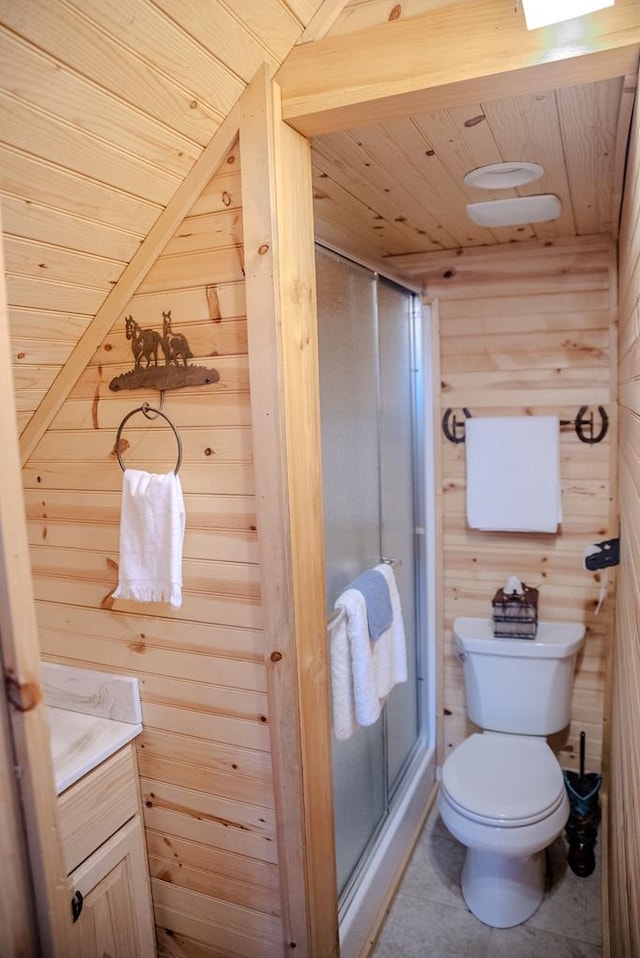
(367, 391)
(400, 506)
(349, 405)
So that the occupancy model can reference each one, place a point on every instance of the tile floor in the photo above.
(429, 918)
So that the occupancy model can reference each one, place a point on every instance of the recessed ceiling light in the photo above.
(515, 211)
(499, 176)
(541, 13)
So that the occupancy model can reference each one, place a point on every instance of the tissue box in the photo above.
(515, 616)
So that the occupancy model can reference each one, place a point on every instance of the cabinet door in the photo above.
(116, 917)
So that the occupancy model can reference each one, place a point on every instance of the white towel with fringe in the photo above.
(363, 671)
(152, 523)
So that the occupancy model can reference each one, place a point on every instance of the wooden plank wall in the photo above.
(104, 110)
(204, 754)
(530, 331)
(624, 808)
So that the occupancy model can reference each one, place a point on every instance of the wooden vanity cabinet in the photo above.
(104, 850)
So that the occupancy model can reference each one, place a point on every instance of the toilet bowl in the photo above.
(503, 797)
(502, 792)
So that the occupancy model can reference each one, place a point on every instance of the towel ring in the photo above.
(146, 410)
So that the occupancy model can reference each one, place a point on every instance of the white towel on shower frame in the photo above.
(363, 671)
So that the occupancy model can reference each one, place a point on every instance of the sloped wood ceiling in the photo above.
(104, 109)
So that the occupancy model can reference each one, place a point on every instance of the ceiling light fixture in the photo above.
(515, 211)
(541, 13)
(502, 176)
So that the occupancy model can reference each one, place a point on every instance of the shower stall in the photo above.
(378, 500)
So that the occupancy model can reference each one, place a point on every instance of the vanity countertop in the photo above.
(79, 742)
(91, 715)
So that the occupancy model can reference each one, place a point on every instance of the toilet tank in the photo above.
(521, 686)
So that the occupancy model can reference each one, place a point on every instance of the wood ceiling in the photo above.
(106, 109)
(397, 187)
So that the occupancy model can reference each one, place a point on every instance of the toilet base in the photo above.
(500, 890)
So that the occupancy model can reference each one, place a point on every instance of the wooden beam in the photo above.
(130, 279)
(22, 698)
(283, 369)
(322, 20)
(450, 57)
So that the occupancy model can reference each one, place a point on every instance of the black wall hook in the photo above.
(451, 432)
(585, 426)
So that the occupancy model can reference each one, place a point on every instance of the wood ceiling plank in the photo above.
(203, 76)
(528, 128)
(589, 116)
(375, 184)
(110, 61)
(520, 254)
(332, 203)
(29, 220)
(39, 181)
(475, 143)
(130, 279)
(254, 31)
(40, 80)
(458, 54)
(28, 129)
(401, 150)
(358, 193)
(454, 158)
(354, 158)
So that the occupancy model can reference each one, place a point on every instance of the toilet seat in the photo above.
(503, 780)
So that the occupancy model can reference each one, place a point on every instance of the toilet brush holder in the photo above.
(581, 829)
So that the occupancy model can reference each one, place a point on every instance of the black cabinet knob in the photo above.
(76, 905)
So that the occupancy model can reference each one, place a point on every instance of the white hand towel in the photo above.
(513, 473)
(363, 671)
(152, 523)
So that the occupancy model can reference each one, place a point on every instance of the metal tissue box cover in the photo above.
(514, 615)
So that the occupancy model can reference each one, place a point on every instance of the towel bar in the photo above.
(146, 411)
(338, 613)
(585, 427)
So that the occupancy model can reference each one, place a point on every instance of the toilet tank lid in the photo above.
(554, 640)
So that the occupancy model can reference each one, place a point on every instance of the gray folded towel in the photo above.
(375, 591)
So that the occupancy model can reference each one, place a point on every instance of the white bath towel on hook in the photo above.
(152, 523)
(513, 473)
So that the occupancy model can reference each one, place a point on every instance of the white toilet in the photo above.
(502, 792)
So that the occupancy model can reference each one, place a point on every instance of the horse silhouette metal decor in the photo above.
(161, 360)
